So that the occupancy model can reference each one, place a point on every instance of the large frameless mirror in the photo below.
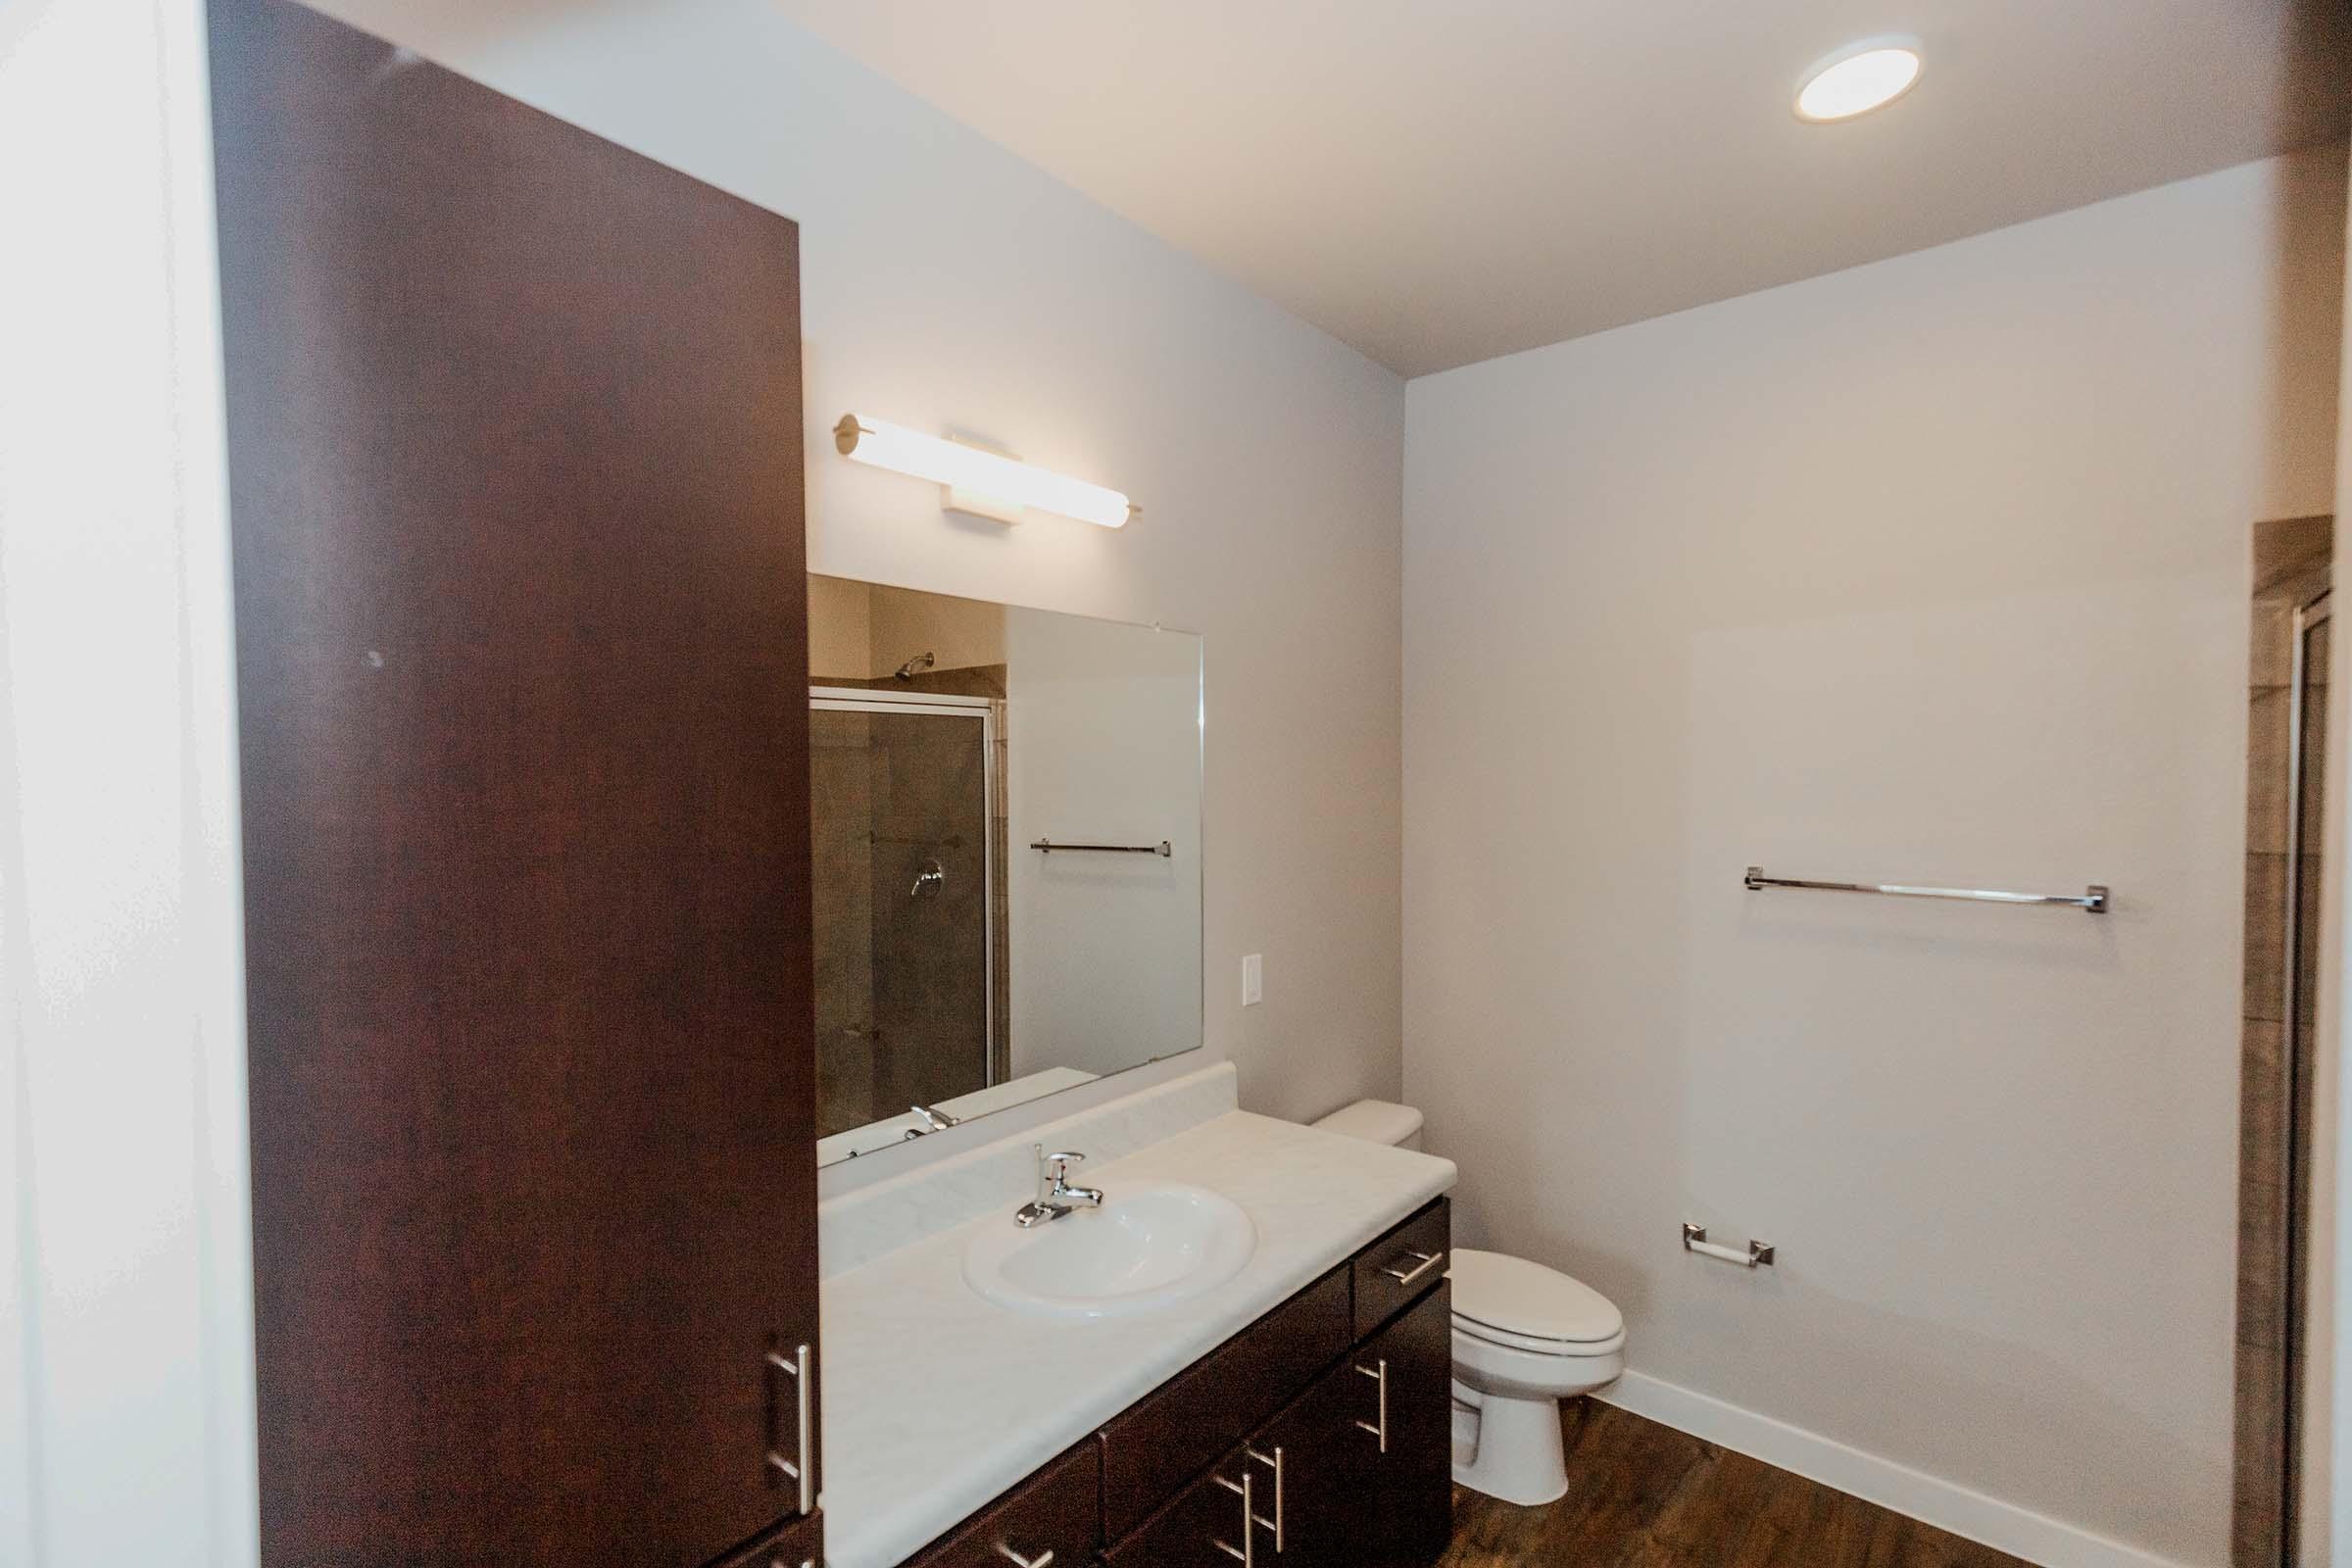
(1005, 807)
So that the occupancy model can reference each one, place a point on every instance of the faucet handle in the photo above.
(1061, 1164)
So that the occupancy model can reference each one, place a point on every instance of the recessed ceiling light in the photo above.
(1859, 78)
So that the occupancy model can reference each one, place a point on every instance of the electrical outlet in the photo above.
(1254, 979)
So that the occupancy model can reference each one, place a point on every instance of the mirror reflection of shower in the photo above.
(2287, 827)
(954, 971)
(899, 818)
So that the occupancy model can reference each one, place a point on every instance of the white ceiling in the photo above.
(1439, 181)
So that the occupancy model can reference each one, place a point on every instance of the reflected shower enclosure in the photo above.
(903, 807)
(2287, 831)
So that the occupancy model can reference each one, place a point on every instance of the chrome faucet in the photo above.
(1055, 1197)
(935, 1121)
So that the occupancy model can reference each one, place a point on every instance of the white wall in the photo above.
(959, 633)
(840, 628)
(1934, 570)
(126, 1280)
(947, 285)
(1103, 727)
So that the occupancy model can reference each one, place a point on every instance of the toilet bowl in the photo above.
(1525, 1337)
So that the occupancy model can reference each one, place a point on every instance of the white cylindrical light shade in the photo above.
(969, 468)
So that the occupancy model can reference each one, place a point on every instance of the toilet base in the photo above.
(1515, 1447)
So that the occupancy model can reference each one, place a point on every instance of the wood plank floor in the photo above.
(1642, 1496)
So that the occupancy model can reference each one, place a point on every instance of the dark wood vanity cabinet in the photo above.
(514, 469)
(1319, 1436)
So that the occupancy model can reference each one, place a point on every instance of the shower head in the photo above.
(922, 661)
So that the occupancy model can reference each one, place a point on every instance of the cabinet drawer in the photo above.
(1163, 1442)
(1217, 1521)
(1398, 1270)
(798, 1545)
(1055, 1516)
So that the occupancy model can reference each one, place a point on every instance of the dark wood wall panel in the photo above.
(514, 434)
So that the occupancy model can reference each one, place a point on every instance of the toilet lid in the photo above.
(1517, 1297)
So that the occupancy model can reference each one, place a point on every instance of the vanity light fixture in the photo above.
(1858, 78)
(975, 476)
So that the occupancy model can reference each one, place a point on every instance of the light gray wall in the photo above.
(1934, 570)
(948, 286)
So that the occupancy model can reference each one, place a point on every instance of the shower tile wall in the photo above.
(842, 820)
(931, 981)
(2291, 565)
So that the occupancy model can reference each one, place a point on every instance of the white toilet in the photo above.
(1525, 1337)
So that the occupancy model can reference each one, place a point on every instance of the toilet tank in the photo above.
(1376, 1122)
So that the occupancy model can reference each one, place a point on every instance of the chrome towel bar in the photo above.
(1162, 847)
(2091, 900)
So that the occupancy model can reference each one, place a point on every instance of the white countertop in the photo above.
(936, 1401)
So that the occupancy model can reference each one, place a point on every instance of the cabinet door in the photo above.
(1408, 1459)
(1316, 1466)
(515, 471)
(1362, 1467)
(1218, 1521)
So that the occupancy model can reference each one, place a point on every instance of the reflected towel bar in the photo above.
(1163, 847)
(2091, 900)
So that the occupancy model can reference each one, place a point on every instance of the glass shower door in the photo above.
(900, 808)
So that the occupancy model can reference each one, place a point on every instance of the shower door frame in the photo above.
(943, 704)
(2297, 1064)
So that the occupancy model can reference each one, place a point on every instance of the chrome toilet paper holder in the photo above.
(1757, 1256)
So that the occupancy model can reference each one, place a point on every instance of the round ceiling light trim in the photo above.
(1858, 78)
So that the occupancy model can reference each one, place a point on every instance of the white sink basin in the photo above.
(1145, 1248)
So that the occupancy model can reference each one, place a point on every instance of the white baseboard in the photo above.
(1988, 1521)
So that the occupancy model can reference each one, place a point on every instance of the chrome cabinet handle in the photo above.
(1245, 1553)
(1275, 1463)
(797, 1469)
(1380, 1376)
(1427, 1260)
(1044, 1559)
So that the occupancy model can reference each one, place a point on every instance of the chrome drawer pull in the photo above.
(1274, 1524)
(1245, 1553)
(1382, 1378)
(1427, 1260)
(1044, 1559)
(799, 1469)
